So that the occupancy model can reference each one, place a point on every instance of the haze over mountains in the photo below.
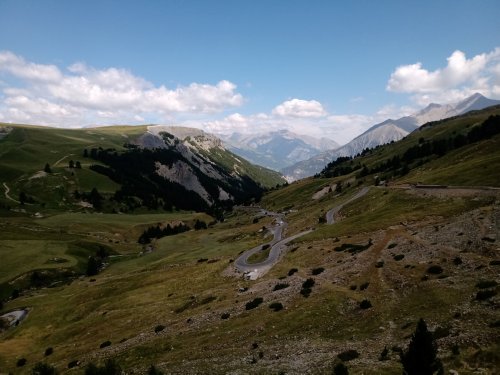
(386, 132)
(277, 149)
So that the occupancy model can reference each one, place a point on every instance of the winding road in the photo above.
(7, 190)
(277, 244)
(331, 213)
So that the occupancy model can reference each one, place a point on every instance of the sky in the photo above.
(321, 68)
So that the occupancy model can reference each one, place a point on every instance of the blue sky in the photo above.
(318, 67)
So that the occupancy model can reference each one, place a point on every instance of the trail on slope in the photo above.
(7, 190)
(60, 160)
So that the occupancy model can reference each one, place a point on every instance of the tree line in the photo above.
(415, 155)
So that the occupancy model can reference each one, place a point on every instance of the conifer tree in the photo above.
(421, 356)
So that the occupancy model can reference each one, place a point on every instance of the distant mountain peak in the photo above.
(277, 149)
(387, 131)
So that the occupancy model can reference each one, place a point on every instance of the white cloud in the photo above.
(20, 68)
(82, 95)
(341, 128)
(300, 108)
(461, 77)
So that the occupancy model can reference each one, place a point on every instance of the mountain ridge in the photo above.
(276, 149)
(386, 132)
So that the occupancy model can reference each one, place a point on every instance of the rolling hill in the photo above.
(129, 168)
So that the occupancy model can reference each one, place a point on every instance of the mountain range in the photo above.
(277, 149)
(386, 132)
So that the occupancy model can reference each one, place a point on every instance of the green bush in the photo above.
(276, 306)
(280, 286)
(317, 271)
(483, 284)
(483, 295)
(340, 369)
(159, 328)
(309, 283)
(154, 371)
(348, 355)
(435, 270)
(365, 304)
(306, 292)
(43, 369)
(105, 344)
(384, 356)
(254, 303)
(292, 271)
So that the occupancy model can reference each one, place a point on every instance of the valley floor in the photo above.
(431, 256)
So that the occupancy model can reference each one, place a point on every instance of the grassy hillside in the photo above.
(393, 256)
(448, 161)
(26, 150)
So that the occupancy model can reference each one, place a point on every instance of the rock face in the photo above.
(386, 132)
(199, 163)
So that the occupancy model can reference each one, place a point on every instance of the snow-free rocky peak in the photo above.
(386, 132)
(276, 149)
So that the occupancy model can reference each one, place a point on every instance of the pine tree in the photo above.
(421, 356)
(340, 369)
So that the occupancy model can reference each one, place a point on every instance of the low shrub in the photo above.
(494, 324)
(379, 264)
(154, 371)
(43, 369)
(384, 356)
(254, 303)
(73, 364)
(485, 294)
(159, 328)
(348, 355)
(365, 304)
(292, 271)
(340, 369)
(280, 286)
(364, 286)
(435, 270)
(483, 284)
(398, 257)
(21, 362)
(225, 316)
(309, 283)
(48, 351)
(306, 292)
(276, 306)
(317, 271)
(353, 248)
(105, 344)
